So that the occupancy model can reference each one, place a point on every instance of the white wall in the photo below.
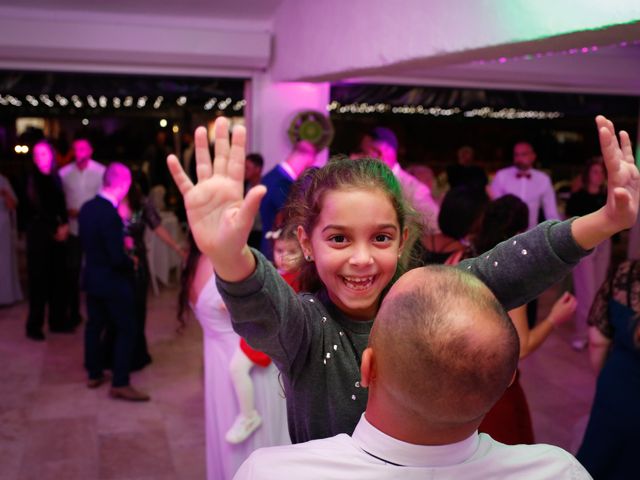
(90, 42)
(333, 39)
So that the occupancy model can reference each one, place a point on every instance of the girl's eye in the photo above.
(383, 237)
(338, 239)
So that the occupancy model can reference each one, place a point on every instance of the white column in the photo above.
(271, 106)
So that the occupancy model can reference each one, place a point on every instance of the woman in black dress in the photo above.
(47, 231)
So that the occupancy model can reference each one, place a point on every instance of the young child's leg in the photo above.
(248, 419)
(240, 369)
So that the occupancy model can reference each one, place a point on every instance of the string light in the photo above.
(225, 103)
(62, 100)
(175, 129)
(163, 122)
(44, 98)
(585, 49)
(21, 149)
(210, 103)
(485, 112)
(103, 102)
(76, 101)
(85, 121)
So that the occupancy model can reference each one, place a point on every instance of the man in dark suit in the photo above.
(108, 283)
(278, 182)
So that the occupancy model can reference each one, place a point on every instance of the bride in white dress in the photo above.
(221, 406)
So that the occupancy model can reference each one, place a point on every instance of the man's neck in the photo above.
(404, 426)
(109, 195)
(82, 164)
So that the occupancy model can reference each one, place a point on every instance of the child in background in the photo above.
(353, 225)
(286, 255)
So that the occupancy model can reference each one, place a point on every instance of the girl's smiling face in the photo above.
(355, 245)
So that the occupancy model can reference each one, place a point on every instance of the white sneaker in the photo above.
(243, 427)
(579, 344)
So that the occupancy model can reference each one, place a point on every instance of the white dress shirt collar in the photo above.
(287, 168)
(380, 445)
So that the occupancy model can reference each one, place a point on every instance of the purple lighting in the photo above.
(571, 51)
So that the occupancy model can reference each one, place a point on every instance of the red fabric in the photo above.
(259, 358)
(509, 420)
(292, 279)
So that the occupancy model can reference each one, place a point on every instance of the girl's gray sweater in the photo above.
(318, 349)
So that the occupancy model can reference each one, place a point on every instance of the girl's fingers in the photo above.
(203, 159)
(221, 129)
(235, 166)
(250, 204)
(183, 182)
(625, 145)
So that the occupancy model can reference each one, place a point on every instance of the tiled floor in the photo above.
(53, 427)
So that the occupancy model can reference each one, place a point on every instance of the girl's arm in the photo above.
(531, 339)
(270, 316)
(219, 217)
(166, 237)
(264, 309)
(522, 267)
(598, 348)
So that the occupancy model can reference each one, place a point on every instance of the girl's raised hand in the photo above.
(623, 182)
(219, 217)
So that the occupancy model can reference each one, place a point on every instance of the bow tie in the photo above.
(523, 175)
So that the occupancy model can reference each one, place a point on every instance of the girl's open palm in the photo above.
(219, 217)
(623, 178)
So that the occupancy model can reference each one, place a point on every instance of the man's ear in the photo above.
(367, 368)
(304, 241)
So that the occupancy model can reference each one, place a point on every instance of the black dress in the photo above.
(46, 210)
(610, 446)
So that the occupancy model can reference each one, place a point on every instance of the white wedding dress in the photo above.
(221, 406)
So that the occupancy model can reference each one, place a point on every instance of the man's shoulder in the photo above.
(514, 461)
(540, 174)
(312, 456)
(96, 167)
(276, 174)
(505, 171)
(66, 170)
(93, 203)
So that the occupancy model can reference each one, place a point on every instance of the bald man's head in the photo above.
(117, 180)
(444, 348)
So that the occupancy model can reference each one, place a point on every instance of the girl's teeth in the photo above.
(358, 283)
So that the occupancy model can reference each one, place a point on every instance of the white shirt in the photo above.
(80, 186)
(536, 191)
(420, 197)
(371, 454)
